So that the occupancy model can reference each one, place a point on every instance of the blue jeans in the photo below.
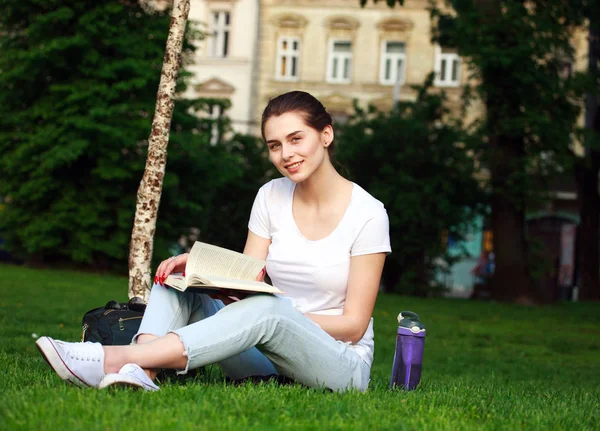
(257, 336)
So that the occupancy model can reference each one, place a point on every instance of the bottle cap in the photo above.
(410, 320)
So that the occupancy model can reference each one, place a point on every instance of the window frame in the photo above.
(449, 57)
(342, 56)
(289, 54)
(220, 43)
(392, 56)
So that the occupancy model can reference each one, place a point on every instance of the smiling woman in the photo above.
(303, 144)
(324, 239)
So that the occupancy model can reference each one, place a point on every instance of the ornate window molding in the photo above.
(395, 25)
(215, 88)
(337, 103)
(340, 22)
(341, 27)
(289, 21)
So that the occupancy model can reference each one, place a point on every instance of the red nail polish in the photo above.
(183, 273)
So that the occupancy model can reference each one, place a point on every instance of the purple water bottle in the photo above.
(408, 358)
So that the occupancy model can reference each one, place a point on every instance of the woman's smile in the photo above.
(293, 167)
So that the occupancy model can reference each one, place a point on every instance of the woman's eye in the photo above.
(295, 139)
(274, 146)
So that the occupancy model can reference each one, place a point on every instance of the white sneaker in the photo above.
(130, 375)
(79, 363)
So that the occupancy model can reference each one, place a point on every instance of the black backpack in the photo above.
(115, 324)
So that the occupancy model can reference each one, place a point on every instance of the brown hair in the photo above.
(312, 111)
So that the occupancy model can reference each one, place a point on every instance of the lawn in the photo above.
(486, 366)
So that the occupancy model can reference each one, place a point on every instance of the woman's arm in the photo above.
(257, 246)
(363, 285)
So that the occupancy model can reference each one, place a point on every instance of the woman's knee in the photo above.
(266, 305)
(164, 291)
(144, 338)
(158, 289)
(163, 297)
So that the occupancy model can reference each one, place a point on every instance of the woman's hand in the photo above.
(229, 299)
(172, 264)
(261, 274)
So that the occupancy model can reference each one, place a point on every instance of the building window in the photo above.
(339, 66)
(220, 34)
(447, 67)
(393, 63)
(288, 58)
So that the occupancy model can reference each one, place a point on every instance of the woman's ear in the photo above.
(327, 135)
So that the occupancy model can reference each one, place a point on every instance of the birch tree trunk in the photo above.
(149, 192)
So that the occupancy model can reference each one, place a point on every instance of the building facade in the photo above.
(334, 49)
(339, 52)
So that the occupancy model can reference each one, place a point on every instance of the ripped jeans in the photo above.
(257, 336)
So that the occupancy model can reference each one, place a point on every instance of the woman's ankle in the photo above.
(151, 373)
(113, 359)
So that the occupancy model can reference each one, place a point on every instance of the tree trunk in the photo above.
(511, 280)
(587, 182)
(149, 192)
(589, 211)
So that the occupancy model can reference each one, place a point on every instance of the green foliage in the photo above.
(519, 54)
(414, 160)
(226, 219)
(79, 84)
(81, 81)
(487, 366)
(214, 194)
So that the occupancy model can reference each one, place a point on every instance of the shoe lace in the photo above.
(83, 357)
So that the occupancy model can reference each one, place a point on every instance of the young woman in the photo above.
(324, 239)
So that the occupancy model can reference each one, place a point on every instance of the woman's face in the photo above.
(296, 149)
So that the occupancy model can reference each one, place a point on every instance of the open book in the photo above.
(212, 269)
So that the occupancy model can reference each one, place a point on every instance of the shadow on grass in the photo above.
(212, 374)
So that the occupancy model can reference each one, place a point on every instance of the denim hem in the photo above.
(185, 353)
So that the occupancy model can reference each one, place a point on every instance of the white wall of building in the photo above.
(234, 70)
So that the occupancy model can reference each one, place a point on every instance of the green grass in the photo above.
(486, 366)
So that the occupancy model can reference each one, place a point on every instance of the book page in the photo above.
(209, 260)
(176, 281)
(243, 285)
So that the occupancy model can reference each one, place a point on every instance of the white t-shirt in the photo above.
(314, 274)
